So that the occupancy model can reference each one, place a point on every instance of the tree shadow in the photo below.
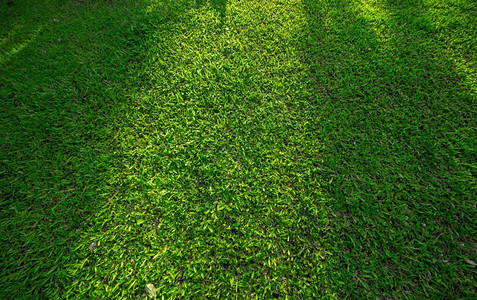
(59, 95)
(398, 135)
(15, 34)
(449, 23)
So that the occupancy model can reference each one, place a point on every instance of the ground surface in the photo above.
(248, 149)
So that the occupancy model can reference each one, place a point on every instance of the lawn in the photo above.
(291, 149)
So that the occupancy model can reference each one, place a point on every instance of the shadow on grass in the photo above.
(449, 23)
(11, 16)
(15, 34)
(399, 132)
(59, 94)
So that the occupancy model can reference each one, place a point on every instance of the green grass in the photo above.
(238, 149)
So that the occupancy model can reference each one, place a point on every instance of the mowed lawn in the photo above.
(290, 149)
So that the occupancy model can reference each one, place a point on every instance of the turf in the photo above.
(238, 149)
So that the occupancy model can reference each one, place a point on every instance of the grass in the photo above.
(238, 149)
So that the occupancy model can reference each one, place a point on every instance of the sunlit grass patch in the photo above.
(237, 209)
